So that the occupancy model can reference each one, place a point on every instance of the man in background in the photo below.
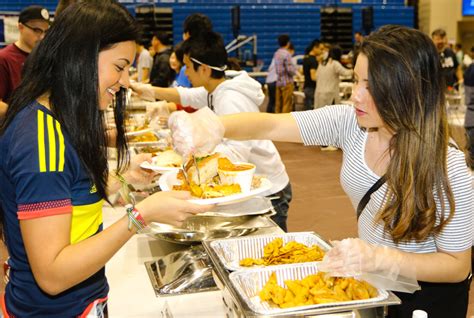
(310, 65)
(33, 23)
(161, 73)
(144, 63)
(285, 70)
(450, 67)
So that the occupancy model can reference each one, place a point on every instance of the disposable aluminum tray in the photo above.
(231, 251)
(250, 282)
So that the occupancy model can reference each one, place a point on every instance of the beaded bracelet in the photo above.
(135, 218)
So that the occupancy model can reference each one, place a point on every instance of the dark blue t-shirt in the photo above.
(42, 175)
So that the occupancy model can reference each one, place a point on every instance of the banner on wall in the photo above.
(10, 29)
(468, 7)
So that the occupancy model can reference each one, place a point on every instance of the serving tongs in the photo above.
(183, 167)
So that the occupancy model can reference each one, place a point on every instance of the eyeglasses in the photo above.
(38, 31)
(217, 68)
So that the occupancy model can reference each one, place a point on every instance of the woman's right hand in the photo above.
(197, 133)
(169, 207)
(144, 91)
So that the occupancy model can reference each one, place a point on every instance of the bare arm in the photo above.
(459, 74)
(58, 265)
(3, 109)
(169, 94)
(442, 267)
(145, 74)
(247, 126)
(313, 74)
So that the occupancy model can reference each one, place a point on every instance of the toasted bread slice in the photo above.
(207, 169)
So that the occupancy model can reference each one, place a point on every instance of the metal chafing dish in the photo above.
(181, 272)
(221, 222)
(237, 307)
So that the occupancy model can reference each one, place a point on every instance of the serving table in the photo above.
(132, 295)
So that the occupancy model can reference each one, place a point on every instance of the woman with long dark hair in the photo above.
(412, 190)
(54, 175)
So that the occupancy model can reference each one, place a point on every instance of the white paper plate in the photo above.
(162, 162)
(138, 132)
(169, 179)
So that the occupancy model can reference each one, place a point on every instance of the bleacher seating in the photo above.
(265, 18)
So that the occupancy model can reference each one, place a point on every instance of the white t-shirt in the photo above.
(144, 61)
(337, 125)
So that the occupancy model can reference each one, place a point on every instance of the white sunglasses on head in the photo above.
(216, 68)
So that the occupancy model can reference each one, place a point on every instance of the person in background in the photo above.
(469, 118)
(177, 64)
(452, 72)
(285, 70)
(327, 76)
(459, 53)
(468, 58)
(206, 59)
(310, 65)
(193, 25)
(417, 221)
(161, 73)
(270, 81)
(54, 174)
(33, 23)
(358, 38)
(144, 63)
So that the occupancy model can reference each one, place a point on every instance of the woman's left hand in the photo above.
(353, 256)
(136, 174)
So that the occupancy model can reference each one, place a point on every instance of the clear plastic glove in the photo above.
(158, 114)
(197, 133)
(135, 174)
(144, 91)
(170, 207)
(380, 265)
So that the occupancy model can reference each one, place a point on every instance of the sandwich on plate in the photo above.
(214, 176)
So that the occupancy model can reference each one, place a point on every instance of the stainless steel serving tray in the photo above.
(200, 227)
(182, 272)
(231, 251)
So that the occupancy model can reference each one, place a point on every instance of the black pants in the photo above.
(271, 97)
(439, 300)
(281, 206)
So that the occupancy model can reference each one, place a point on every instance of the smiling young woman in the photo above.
(54, 174)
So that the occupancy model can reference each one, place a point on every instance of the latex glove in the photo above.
(352, 257)
(170, 207)
(137, 175)
(144, 91)
(197, 133)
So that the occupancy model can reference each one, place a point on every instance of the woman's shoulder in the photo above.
(456, 163)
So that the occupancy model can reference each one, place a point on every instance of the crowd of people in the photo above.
(409, 184)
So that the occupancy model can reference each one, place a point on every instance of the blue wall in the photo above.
(266, 18)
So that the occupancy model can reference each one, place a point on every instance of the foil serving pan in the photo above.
(231, 251)
(249, 283)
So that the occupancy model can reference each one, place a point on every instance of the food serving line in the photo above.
(194, 270)
(133, 294)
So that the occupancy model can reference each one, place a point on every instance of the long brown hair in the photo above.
(406, 84)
